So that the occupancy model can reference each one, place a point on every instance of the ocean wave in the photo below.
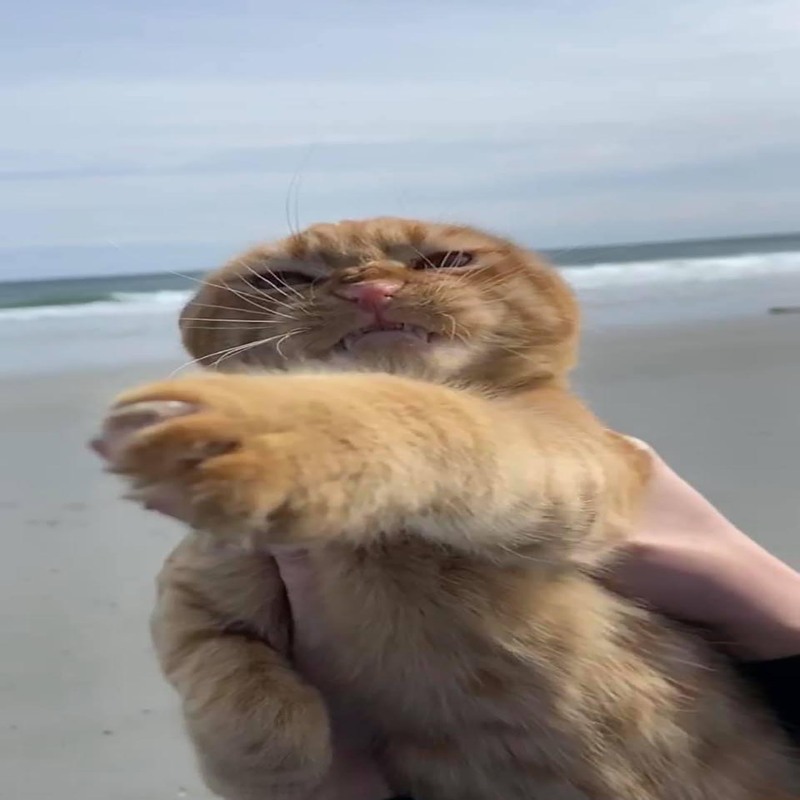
(112, 304)
(163, 297)
(685, 270)
(585, 279)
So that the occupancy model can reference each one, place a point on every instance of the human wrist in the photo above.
(762, 620)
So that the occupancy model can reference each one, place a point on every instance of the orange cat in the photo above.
(398, 402)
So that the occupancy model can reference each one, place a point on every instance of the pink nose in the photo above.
(369, 295)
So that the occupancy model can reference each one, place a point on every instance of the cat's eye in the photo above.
(275, 280)
(445, 259)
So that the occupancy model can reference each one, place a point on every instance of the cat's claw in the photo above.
(204, 451)
(119, 429)
(126, 420)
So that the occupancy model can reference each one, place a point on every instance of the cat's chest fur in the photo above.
(440, 654)
(417, 618)
(485, 680)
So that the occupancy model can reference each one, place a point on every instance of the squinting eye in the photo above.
(274, 280)
(446, 259)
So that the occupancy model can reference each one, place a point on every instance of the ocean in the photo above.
(48, 325)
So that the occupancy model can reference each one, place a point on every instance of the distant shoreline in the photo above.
(129, 262)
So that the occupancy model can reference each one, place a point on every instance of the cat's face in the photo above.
(392, 294)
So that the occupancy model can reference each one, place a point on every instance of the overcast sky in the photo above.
(562, 121)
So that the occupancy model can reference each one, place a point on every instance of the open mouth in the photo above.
(386, 335)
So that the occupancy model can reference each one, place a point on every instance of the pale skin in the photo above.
(687, 560)
(683, 557)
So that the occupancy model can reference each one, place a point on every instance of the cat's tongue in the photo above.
(385, 339)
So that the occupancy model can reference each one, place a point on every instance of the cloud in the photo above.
(571, 123)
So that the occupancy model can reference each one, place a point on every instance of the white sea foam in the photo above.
(165, 297)
(686, 270)
(585, 279)
(119, 303)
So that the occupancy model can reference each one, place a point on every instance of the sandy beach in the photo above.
(86, 715)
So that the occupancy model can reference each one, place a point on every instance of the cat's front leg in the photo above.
(276, 459)
(220, 633)
(304, 458)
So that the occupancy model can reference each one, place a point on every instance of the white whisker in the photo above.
(249, 345)
(228, 308)
(220, 319)
(280, 342)
(225, 288)
(248, 298)
(238, 349)
(453, 324)
(295, 185)
(275, 286)
(222, 327)
(218, 352)
(423, 257)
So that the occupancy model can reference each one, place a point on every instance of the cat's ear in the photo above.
(443, 259)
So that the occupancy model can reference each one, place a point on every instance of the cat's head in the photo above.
(392, 294)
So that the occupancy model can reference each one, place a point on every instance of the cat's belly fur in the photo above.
(469, 700)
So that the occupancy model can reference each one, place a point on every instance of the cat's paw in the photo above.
(227, 454)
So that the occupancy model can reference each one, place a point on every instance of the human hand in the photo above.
(353, 776)
(687, 560)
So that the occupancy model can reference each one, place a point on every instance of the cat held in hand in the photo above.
(393, 396)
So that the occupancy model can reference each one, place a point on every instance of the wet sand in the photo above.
(85, 714)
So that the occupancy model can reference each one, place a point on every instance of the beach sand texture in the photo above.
(85, 714)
